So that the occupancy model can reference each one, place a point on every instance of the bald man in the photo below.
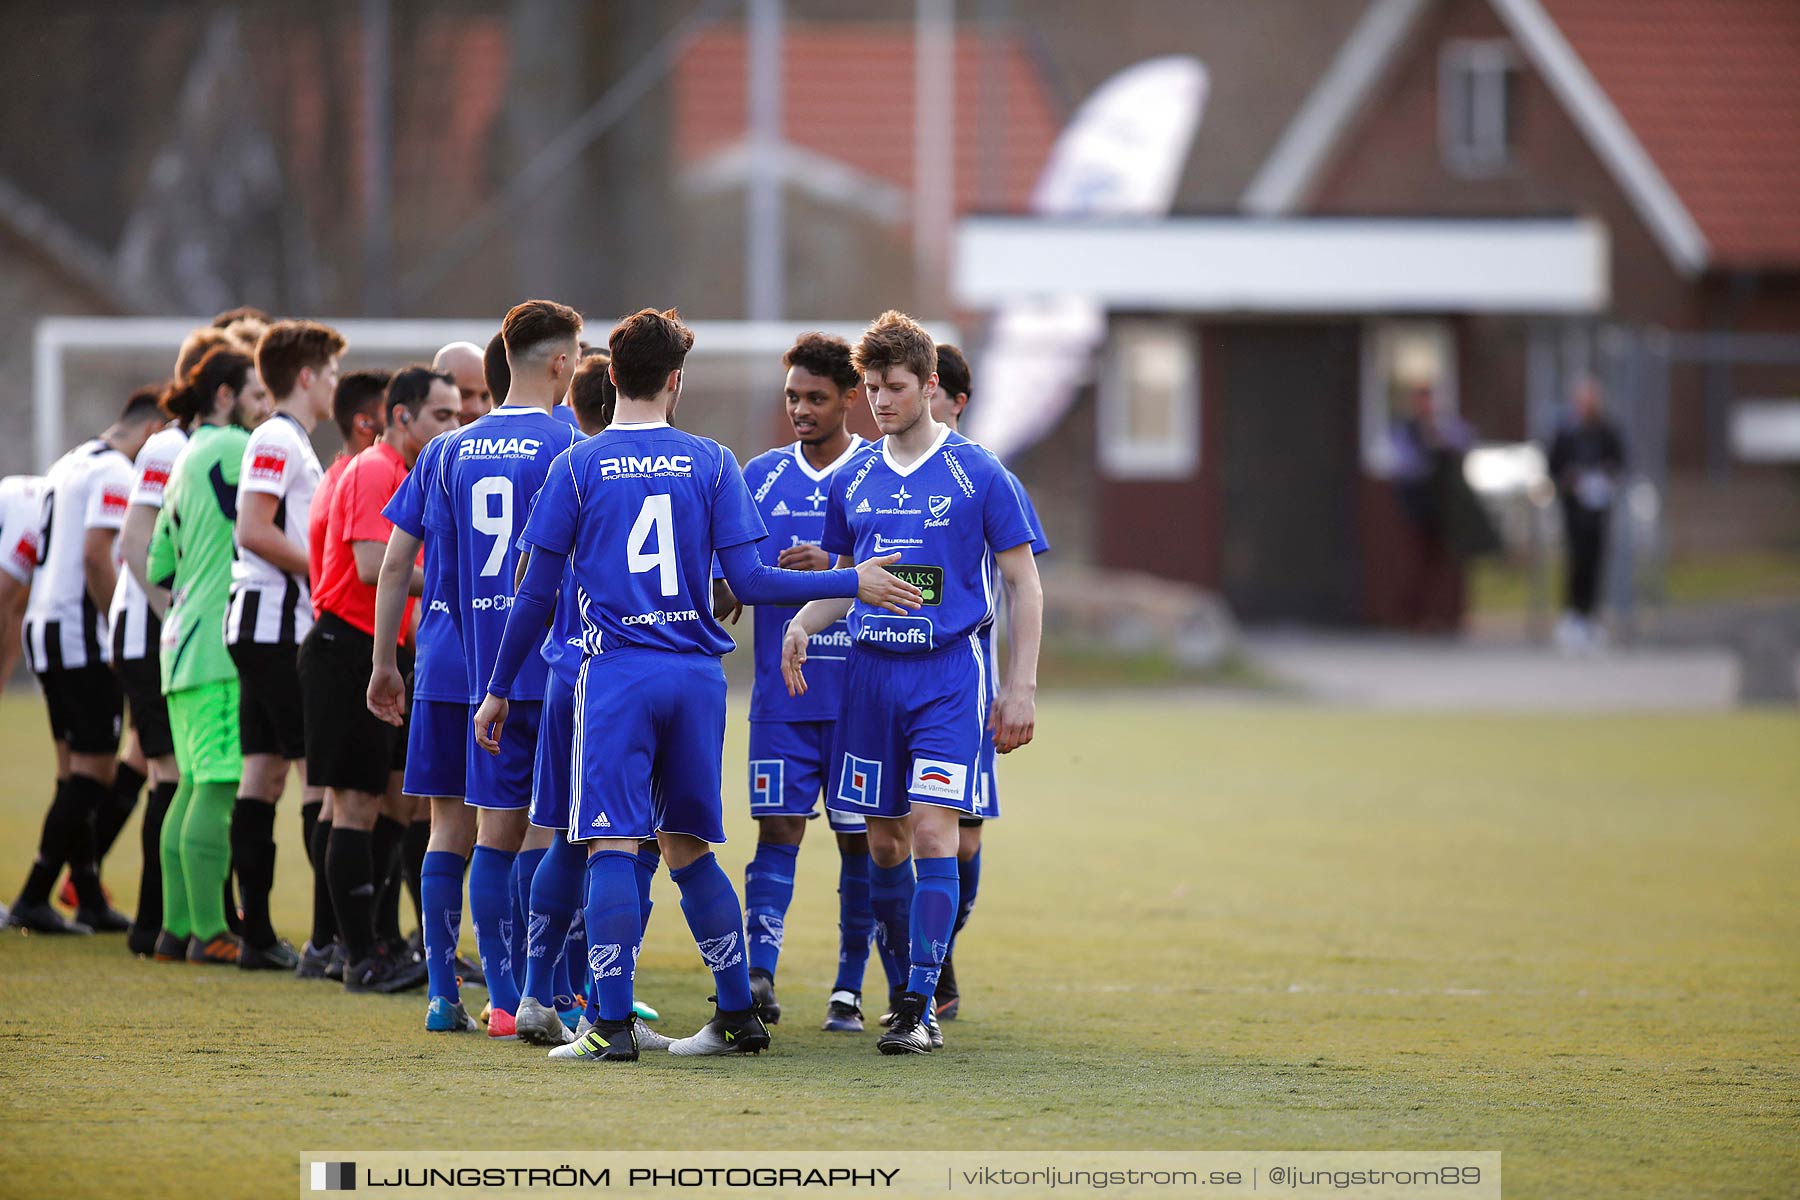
(462, 361)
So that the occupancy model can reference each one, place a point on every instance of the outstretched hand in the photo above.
(880, 588)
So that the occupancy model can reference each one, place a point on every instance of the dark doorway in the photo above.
(1288, 395)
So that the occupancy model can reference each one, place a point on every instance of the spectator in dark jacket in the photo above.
(1587, 460)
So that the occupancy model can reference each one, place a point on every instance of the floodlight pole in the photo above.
(765, 232)
(934, 166)
(377, 146)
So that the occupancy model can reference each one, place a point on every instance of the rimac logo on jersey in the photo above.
(766, 783)
(498, 447)
(639, 465)
(939, 780)
(269, 464)
(114, 500)
(156, 477)
(860, 783)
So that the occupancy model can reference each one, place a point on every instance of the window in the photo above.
(1403, 362)
(1478, 87)
(1150, 401)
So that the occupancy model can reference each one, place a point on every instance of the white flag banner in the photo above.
(1120, 156)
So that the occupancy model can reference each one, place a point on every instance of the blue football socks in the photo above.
(768, 890)
(712, 912)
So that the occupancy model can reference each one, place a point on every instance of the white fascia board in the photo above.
(1290, 266)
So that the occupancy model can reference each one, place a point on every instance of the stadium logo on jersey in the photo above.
(862, 473)
(721, 952)
(939, 780)
(780, 509)
(269, 463)
(639, 465)
(904, 633)
(600, 821)
(863, 507)
(509, 447)
(769, 479)
(962, 477)
(766, 781)
(860, 784)
(114, 500)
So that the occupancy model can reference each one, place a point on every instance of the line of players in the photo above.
(608, 727)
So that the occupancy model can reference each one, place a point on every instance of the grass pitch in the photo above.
(1573, 940)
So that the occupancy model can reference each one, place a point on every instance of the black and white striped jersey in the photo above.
(269, 606)
(134, 627)
(87, 488)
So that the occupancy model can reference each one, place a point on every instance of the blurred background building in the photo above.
(1386, 208)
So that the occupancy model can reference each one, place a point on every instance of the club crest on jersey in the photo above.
(269, 463)
(632, 465)
(940, 505)
(498, 447)
(766, 783)
(860, 783)
(939, 780)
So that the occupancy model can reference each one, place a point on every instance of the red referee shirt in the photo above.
(353, 514)
(315, 529)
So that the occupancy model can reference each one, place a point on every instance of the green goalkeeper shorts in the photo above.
(204, 720)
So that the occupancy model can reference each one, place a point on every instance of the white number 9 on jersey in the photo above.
(656, 519)
(497, 525)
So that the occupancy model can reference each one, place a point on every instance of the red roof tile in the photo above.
(1712, 90)
(848, 94)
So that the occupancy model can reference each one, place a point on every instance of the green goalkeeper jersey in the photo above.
(191, 553)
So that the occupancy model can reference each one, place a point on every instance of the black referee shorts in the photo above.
(347, 746)
(271, 719)
(86, 707)
(141, 681)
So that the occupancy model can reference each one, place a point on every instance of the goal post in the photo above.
(152, 342)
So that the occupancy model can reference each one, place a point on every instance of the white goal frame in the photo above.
(54, 337)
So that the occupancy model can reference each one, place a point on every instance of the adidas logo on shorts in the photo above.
(600, 822)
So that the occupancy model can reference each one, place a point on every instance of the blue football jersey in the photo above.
(947, 515)
(562, 644)
(491, 471)
(639, 508)
(438, 671)
(790, 497)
